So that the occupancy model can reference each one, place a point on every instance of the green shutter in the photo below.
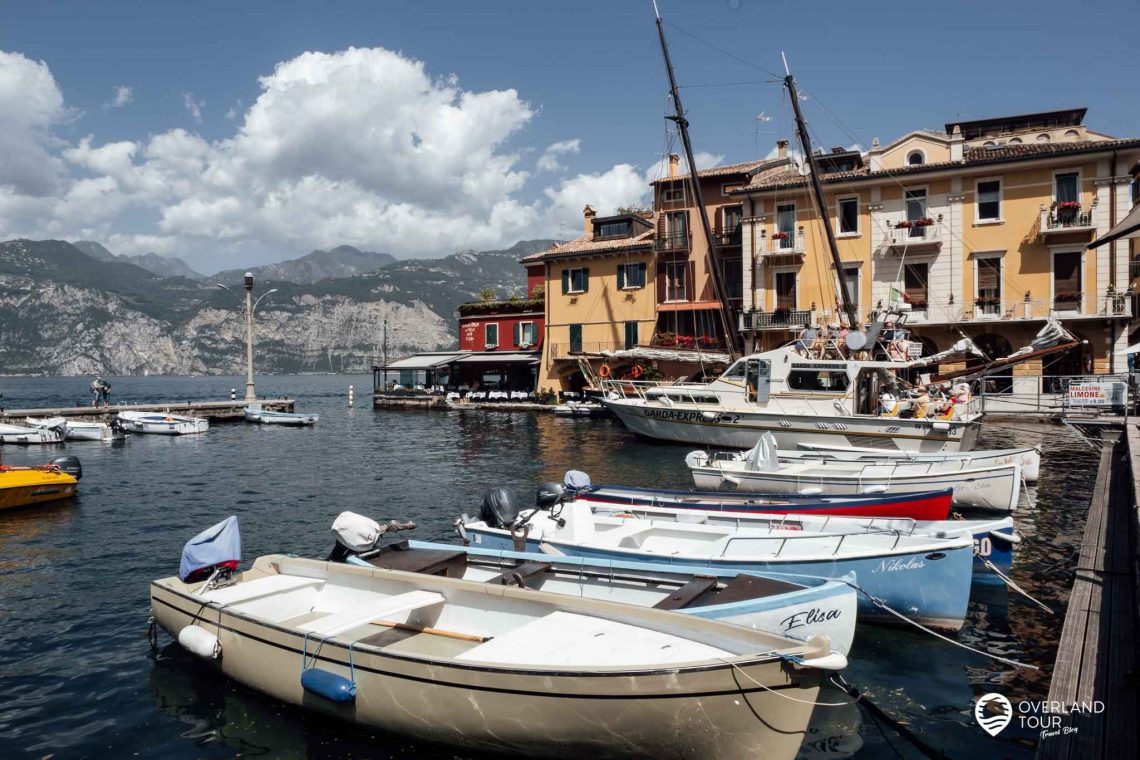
(565, 281)
(630, 335)
(575, 338)
(621, 276)
(518, 332)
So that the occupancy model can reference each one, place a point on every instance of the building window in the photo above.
(1015, 141)
(575, 339)
(989, 200)
(914, 285)
(1066, 187)
(491, 335)
(575, 280)
(631, 276)
(916, 158)
(852, 275)
(672, 195)
(848, 216)
(676, 231)
(916, 211)
(732, 216)
(675, 276)
(1072, 135)
(786, 290)
(630, 335)
(526, 334)
(1067, 294)
(726, 189)
(786, 225)
(1043, 137)
(612, 229)
(988, 279)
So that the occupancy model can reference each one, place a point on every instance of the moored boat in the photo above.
(28, 486)
(266, 417)
(1028, 458)
(162, 423)
(30, 435)
(83, 430)
(458, 662)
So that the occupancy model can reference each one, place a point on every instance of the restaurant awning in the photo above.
(1129, 227)
(423, 361)
(496, 357)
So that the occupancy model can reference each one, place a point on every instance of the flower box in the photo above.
(905, 224)
(780, 236)
(1069, 206)
(923, 222)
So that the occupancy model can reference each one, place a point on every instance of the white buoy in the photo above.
(350, 391)
(233, 394)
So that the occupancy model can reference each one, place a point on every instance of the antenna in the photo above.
(784, 58)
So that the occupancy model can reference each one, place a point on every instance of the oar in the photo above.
(431, 631)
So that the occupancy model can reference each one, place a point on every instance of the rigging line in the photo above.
(726, 84)
(724, 52)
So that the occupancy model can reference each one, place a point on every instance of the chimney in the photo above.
(674, 165)
(781, 149)
(838, 149)
(876, 154)
(956, 143)
(588, 215)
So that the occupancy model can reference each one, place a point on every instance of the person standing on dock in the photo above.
(101, 390)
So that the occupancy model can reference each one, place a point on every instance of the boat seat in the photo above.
(424, 561)
(687, 593)
(255, 589)
(360, 614)
(522, 573)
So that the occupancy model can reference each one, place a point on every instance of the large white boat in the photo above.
(162, 423)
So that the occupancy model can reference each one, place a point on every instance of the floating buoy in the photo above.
(198, 641)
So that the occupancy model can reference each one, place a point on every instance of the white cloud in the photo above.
(363, 146)
(234, 110)
(193, 106)
(120, 97)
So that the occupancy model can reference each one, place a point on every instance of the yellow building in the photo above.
(601, 295)
(982, 230)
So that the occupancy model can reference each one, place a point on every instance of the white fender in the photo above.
(814, 491)
(874, 489)
(197, 640)
(833, 661)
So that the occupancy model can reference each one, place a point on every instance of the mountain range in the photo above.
(78, 309)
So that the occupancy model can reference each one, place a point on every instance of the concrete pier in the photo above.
(215, 411)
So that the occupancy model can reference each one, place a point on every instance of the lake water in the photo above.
(78, 679)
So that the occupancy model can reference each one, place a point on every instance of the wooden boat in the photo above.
(31, 435)
(497, 668)
(266, 417)
(922, 505)
(82, 430)
(27, 486)
(162, 423)
(1029, 458)
(994, 487)
(797, 609)
(924, 577)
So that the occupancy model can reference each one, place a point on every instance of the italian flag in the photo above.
(899, 296)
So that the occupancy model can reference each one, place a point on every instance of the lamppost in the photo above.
(250, 306)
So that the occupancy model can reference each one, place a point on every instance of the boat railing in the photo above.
(639, 388)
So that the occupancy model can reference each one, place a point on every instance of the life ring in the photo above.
(636, 371)
(605, 371)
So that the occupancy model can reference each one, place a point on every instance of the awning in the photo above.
(670, 355)
(688, 305)
(495, 357)
(1133, 349)
(422, 361)
(1129, 227)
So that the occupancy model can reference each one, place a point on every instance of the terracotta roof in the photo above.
(584, 246)
(972, 157)
(744, 167)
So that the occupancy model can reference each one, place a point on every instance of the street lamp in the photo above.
(250, 306)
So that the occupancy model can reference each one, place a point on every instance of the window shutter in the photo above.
(662, 286)
(518, 333)
(691, 285)
(565, 281)
(641, 275)
(621, 276)
(586, 280)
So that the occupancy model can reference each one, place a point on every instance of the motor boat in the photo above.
(83, 430)
(162, 423)
(47, 433)
(28, 486)
(266, 417)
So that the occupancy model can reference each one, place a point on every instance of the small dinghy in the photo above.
(84, 430)
(162, 423)
(495, 668)
(266, 417)
(52, 431)
(799, 609)
(28, 486)
(924, 577)
(760, 470)
(582, 409)
(1029, 459)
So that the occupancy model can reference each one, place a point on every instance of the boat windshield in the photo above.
(735, 372)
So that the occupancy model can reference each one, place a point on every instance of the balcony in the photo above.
(1065, 219)
(783, 244)
(688, 342)
(728, 236)
(674, 241)
(780, 319)
(573, 350)
(914, 235)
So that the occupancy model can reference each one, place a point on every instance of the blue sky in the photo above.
(583, 71)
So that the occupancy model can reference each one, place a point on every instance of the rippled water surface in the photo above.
(77, 677)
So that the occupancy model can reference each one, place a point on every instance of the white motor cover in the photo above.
(199, 641)
(357, 532)
(696, 459)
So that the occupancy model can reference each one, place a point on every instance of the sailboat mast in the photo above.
(682, 123)
(805, 143)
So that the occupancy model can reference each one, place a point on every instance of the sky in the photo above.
(234, 134)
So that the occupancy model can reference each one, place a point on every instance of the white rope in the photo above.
(1009, 582)
(778, 694)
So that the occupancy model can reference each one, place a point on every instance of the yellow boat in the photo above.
(25, 486)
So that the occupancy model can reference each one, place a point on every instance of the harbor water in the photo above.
(78, 678)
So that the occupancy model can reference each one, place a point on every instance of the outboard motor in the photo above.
(213, 554)
(576, 480)
(548, 495)
(500, 508)
(357, 534)
(69, 465)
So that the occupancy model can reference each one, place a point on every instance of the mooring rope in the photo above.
(877, 712)
(1009, 582)
(779, 694)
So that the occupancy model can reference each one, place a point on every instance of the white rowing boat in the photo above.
(82, 430)
(266, 417)
(46, 433)
(1029, 458)
(162, 423)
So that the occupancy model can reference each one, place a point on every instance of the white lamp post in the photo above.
(250, 307)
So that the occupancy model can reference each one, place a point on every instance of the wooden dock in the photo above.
(1096, 658)
(437, 402)
(215, 411)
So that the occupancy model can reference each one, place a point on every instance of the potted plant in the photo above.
(707, 341)
(926, 222)
(665, 340)
(686, 341)
(905, 224)
(1067, 211)
(779, 236)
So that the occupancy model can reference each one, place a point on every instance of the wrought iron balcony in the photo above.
(1064, 218)
(729, 235)
(779, 319)
(674, 241)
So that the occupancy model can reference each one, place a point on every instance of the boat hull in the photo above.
(748, 708)
(738, 429)
(157, 424)
(29, 436)
(1029, 459)
(25, 488)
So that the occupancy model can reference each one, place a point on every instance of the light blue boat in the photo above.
(254, 413)
(797, 607)
(925, 578)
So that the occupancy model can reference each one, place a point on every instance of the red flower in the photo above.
(780, 236)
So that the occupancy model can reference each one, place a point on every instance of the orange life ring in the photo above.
(605, 371)
(636, 371)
